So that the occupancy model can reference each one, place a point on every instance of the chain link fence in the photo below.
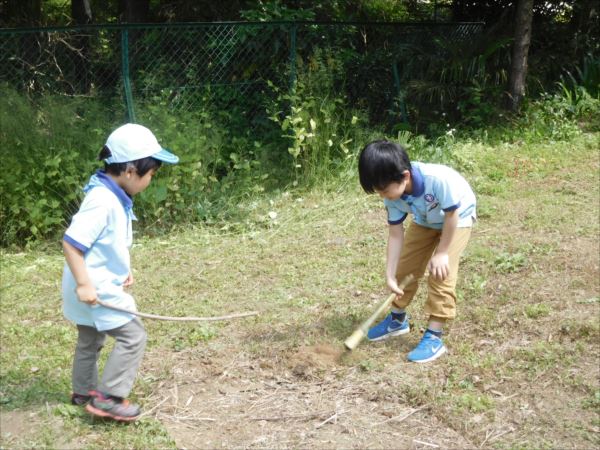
(248, 107)
(231, 66)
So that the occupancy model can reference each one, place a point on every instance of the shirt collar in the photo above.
(418, 185)
(107, 181)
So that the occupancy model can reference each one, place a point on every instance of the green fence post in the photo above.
(125, 69)
(397, 83)
(293, 32)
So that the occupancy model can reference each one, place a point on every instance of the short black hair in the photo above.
(142, 166)
(381, 163)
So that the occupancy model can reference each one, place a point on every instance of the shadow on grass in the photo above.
(33, 391)
(331, 329)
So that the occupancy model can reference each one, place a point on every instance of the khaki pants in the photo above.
(419, 245)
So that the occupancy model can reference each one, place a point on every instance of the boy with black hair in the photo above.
(97, 266)
(443, 208)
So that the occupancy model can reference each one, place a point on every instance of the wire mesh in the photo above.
(190, 67)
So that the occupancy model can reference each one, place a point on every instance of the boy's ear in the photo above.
(130, 170)
(406, 174)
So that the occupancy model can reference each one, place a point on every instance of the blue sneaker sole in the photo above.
(435, 356)
(389, 335)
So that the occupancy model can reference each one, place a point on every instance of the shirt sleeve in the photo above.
(394, 213)
(89, 222)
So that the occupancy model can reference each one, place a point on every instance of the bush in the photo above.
(559, 115)
(222, 160)
(48, 152)
(308, 137)
(320, 130)
(50, 148)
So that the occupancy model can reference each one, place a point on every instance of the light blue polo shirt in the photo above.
(101, 229)
(436, 189)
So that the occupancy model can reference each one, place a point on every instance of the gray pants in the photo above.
(122, 364)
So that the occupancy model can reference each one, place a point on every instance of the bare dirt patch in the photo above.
(315, 357)
(252, 404)
(15, 423)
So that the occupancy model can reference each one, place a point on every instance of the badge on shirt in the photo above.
(429, 198)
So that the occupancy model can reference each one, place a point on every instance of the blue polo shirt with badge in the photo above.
(436, 189)
(102, 230)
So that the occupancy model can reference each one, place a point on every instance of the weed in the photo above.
(539, 356)
(476, 403)
(366, 366)
(193, 337)
(593, 402)
(510, 262)
(322, 132)
(476, 285)
(417, 393)
(538, 310)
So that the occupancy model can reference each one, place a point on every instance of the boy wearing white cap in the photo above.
(96, 247)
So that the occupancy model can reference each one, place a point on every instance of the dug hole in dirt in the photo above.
(316, 357)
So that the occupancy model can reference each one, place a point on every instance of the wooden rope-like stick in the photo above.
(180, 319)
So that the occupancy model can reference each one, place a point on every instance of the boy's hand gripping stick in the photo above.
(352, 342)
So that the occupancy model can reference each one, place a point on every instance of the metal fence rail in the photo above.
(188, 67)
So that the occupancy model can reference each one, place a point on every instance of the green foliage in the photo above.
(47, 153)
(192, 338)
(510, 262)
(476, 403)
(440, 150)
(587, 77)
(537, 310)
(221, 163)
(593, 402)
(232, 154)
(580, 93)
(275, 10)
(323, 132)
(555, 116)
(464, 84)
(559, 116)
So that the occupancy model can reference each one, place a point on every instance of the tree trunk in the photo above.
(520, 51)
(81, 13)
(134, 11)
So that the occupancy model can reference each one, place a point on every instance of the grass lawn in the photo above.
(523, 368)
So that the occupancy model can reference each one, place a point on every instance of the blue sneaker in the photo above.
(431, 347)
(388, 327)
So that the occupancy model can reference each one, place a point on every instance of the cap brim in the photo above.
(166, 156)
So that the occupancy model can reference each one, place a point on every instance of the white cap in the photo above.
(131, 142)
